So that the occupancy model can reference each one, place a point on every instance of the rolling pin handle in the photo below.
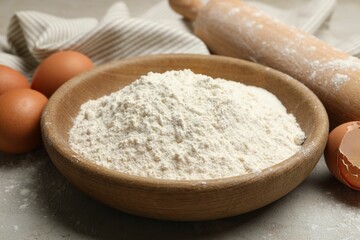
(186, 8)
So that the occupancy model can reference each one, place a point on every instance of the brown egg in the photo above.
(57, 69)
(20, 120)
(342, 154)
(11, 79)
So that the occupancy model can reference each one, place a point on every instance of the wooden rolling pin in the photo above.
(233, 28)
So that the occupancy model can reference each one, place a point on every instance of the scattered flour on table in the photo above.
(181, 125)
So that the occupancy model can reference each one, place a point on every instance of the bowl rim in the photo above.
(55, 140)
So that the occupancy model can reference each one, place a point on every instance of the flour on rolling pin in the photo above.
(233, 28)
(338, 79)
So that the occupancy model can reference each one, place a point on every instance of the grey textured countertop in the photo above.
(36, 202)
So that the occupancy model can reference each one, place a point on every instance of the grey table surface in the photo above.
(36, 202)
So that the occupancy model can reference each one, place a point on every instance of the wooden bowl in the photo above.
(174, 199)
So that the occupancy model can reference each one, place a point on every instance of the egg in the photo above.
(11, 79)
(57, 69)
(20, 120)
(342, 153)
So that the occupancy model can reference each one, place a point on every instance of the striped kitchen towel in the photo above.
(33, 36)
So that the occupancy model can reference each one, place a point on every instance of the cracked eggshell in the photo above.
(342, 154)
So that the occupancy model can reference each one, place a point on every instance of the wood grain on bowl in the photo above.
(173, 199)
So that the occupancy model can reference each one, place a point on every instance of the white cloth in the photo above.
(32, 36)
(342, 29)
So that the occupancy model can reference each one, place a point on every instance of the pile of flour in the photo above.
(181, 125)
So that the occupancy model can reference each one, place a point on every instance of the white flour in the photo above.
(181, 125)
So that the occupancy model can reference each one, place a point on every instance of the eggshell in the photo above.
(57, 69)
(342, 153)
(11, 79)
(20, 120)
